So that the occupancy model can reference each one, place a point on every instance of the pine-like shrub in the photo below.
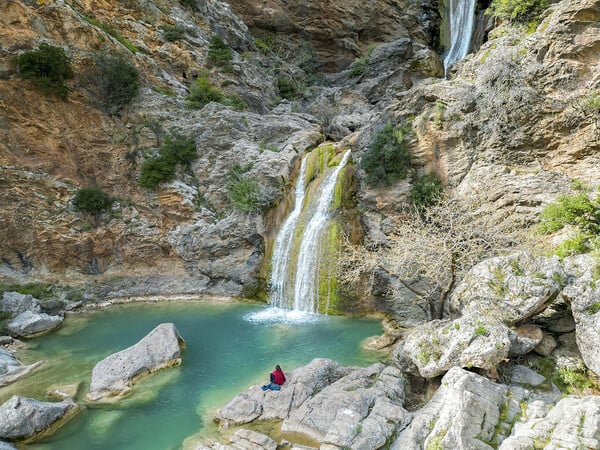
(47, 68)
(92, 200)
(388, 159)
(116, 81)
(426, 191)
(219, 54)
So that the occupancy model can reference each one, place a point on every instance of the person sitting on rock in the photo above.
(277, 379)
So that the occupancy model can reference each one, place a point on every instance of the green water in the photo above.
(225, 353)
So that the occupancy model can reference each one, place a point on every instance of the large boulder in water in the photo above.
(26, 418)
(29, 323)
(115, 374)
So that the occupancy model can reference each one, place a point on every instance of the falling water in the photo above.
(462, 19)
(306, 282)
(283, 245)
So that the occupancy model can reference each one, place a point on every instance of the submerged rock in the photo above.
(11, 369)
(29, 324)
(114, 375)
(25, 418)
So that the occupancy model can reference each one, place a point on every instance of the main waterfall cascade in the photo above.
(462, 20)
(301, 245)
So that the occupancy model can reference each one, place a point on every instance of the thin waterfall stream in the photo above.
(300, 245)
(462, 21)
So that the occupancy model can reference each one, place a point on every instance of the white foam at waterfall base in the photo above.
(276, 315)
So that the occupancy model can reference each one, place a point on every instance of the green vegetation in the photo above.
(173, 32)
(388, 159)
(359, 66)
(116, 81)
(41, 291)
(480, 330)
(175, 150)
(591, 104)
(580, 211)
(289, 88)
(245, 193)
(426, 191)
(518, 11)
(219, 54)
(594, 308)
(112, 32)
(92, 201)
(203, 92)
(47, 68)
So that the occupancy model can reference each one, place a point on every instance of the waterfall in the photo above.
(296, 286)
(306, 290)
(462, 19)
(283, 245)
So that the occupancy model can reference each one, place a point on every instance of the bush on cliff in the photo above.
(219, 54)
(203, 92)
(47, 68)
(426, 191)
(175, 150)
(245, 193)
(116, 81)
(92, 200)
(579, 211)
(388, 159)
(518, 11)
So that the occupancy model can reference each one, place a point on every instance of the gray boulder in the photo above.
(510, 288)
(16, 303)
(115, 374)
(584, 295)
(25, 418)
(469, 341)
(29, 323)
(525, 338)
(574, 423)
(467, 412)
(11, 369)
(7, 446)
(360, 410)
(301, 384)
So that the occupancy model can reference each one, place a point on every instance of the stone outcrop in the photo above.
(510, 288)
(572, 423)
(115, 375)
(15, 303)
(468, 411)
(469, 341)
(583, 294)
(346, 407)
(25, 418)
(243, 440)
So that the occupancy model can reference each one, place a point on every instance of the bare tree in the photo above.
(430, 251)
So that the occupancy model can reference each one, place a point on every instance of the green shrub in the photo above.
(591, 104)
(288, 88)
(219, 54)
(235, 101)
(155, 171)
(388, 159)
(577, 210)
(359, 66)
(426, 191)
(175, 150)
(112, 32)
(116, 81)
(519, 11)
(92, 200)
(47, 68)
(203, 92)
(245, 193)
(173, 32)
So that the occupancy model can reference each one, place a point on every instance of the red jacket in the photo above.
(278, 377)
